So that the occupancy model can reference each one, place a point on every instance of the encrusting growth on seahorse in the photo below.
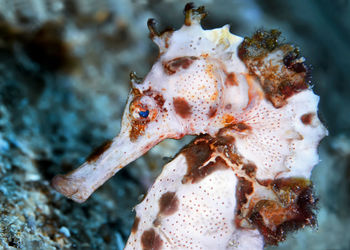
(244, 181)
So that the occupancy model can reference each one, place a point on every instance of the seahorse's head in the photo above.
(197, 80)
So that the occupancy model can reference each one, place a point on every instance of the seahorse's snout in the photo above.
(79, 184)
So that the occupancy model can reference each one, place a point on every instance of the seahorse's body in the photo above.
(243, 183)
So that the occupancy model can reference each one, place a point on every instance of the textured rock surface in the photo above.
(64, 76)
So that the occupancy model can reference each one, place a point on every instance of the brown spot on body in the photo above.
(240, 126)
(135, 225)
(197, 174)
(196, 153)
(212, 111)
(98, 151)
(182, 107)
(231, 80)
(201, 150)
(307, 118)
(250, 169)
(172, 66)
(224, 140)
(150, 240)
(168, 203)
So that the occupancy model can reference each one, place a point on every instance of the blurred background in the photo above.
(64, 80)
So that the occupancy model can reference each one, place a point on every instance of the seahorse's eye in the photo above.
(144, 114)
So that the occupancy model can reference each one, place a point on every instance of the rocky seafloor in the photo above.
(64, 80)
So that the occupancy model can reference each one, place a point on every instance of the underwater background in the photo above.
(64, 80)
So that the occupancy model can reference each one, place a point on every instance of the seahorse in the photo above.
(244, 182)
